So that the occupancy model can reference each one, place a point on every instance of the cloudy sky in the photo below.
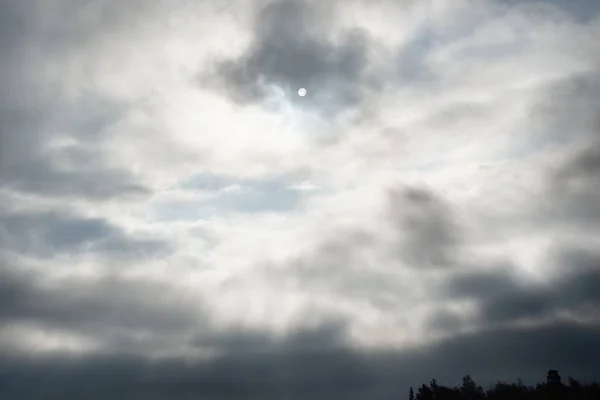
(176, 222)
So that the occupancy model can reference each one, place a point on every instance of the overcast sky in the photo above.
(176, 222)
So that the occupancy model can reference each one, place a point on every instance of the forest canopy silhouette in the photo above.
(552, 389)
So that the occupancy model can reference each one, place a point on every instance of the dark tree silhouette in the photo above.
(554, 386)
(469, 389)
(552, 389)
(425, 393)
(553, 378)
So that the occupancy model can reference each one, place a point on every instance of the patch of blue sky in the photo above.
(231, 195)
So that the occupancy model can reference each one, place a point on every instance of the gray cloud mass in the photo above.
(291, 50)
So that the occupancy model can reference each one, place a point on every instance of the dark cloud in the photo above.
(445, 322)
(572, 260)
(57, 232)
(291, 50)
(323, 337)
(502, 297)
(239, 341)
(492, 282)
(519, 304)
(53, 233)
(511, 352)
(111, 309)
(340, 372)
(429, 234)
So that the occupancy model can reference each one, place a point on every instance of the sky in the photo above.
(176, 222)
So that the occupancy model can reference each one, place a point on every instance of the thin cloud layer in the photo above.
(176, 222)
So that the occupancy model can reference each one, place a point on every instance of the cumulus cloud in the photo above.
(176, 222)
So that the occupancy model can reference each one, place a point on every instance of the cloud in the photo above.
(177, 223)
(431, 237)
(526, 353)
(575, 188)
(292, 48)
(583, 10)
(49, 234)
(324, 337)
(132, 315)
(49, 145)
(504, 297)
(478, 284)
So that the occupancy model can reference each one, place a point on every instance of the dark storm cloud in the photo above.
(48, 234)
(571, 261)
(237, 342)
(445, 322)
(495, 281)
(291, 50)
(324, 374)
(429, 234)
(234, 340)
(503, 298)
(507, 353)
(107, 308)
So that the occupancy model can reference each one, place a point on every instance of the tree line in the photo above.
(552, 389)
